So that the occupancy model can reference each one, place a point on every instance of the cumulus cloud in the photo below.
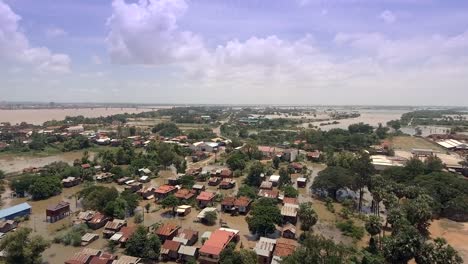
(147, 33)
(15, 46)
(388, 17)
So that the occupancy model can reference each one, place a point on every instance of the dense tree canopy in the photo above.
(264, 216)
(143, 245)
(21, 247)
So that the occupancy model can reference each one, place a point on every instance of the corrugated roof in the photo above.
(265, 246)
(127, 260)
(167, 229)
(205, 196)
(170, 245)
(14, 209)
(289, 210)
(187, 250)
(88, 237)
(217, 242)
(115, 224)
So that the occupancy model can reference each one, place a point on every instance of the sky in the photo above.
(316, 52)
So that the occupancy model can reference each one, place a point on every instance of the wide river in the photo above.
(39, 116)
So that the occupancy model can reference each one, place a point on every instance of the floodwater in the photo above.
(14, 163)
(39, 116)
(455, 233)
(372, 117)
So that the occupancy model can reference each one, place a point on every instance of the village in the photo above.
(144, 194)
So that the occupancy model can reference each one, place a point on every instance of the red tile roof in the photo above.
(184, 194)
(228, 201)
(127, 232)
(171, 245)
(167, 229)
(226, 173)
(284, 247)
(242, 201)
(205, 196)
(163, 189)
(97, 218)
(218, 240)
(290, 200)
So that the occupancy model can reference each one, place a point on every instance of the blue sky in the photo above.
(403, 52)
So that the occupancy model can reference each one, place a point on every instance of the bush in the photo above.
(349, 229)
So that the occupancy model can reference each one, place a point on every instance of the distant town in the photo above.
(224, 184)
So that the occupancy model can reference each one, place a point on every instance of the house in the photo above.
(104, 177)
(84, 217)
(70, 182)
(193, 171)
(187, 252)
(7, 225)
(58, 211)
(174, 180)
(170, 250)
(267, 152)
(266, 185)
(422, 152)
(187, 237)
(127, 260)
(213, 181)
(314, 155)
(201, 215)
(105, 258)
(289, 155)
(198, 188)
(84, 256)
(210, 251)
(199, 156)
(301, 182)
(289, 231)
(87, 238)
(167, 231)
(268, 193)
(242, 204)
(290, 200)
(123, 235)
(183, 210)
(144, 171)
(264, 250)
(147, 192)
(113, 227)
(123, 180)
(205, 199)
(274, 179)
(227, 184)
(204, 146)
(297, 167)
(284, 247)
(98, 221)
(85, 166)
(133, 186)
(226, 173)
(144, 179)
(227, 205)
(75, 129)
(164, 190)
(185, 195)
(289, 213)
(20, 210)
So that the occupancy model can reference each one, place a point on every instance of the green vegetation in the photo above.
(72, 236)
(167, 129)
(38, 186)
(307, 215)
(230, 256)
(435, 117)
(21, 247)
(264, 216)
(109, 201)
(211, 217)
(348, 228)
(143, 245)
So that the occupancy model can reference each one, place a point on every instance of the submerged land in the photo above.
(225, 184)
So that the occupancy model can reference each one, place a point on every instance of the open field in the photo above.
(408, 143)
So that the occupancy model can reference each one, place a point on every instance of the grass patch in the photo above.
(348, 228)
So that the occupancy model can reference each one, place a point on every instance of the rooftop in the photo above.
(14, 209)
(205, 196)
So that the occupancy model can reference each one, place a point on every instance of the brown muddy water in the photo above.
(13, 163)
(39, 116)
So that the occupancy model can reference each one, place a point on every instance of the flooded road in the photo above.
(15, 163)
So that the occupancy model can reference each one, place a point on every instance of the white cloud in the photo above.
(146, 33)
(15, 46)
(388, 17)
(54, 32)
(278, 70)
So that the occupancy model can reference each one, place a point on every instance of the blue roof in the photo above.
(14, 209)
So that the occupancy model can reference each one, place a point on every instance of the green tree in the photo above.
(438, 252)
(142, 245)
(44, 187)
(167, 129)
(170, 202)
(264, 216)
(307, 215)
(332, 179)
(317, 249)
(363, 168)
(285, 178)
(247, 191)
(433, 164)
(402, 245)
(237, 161)
(290, 191)
(419, 212)
(21, 247)
(211, 217)
(276, 162)
(254, 175)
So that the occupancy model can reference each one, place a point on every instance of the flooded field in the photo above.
(14, 163)
(39, 116)
(372, 117)
(455, 233)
